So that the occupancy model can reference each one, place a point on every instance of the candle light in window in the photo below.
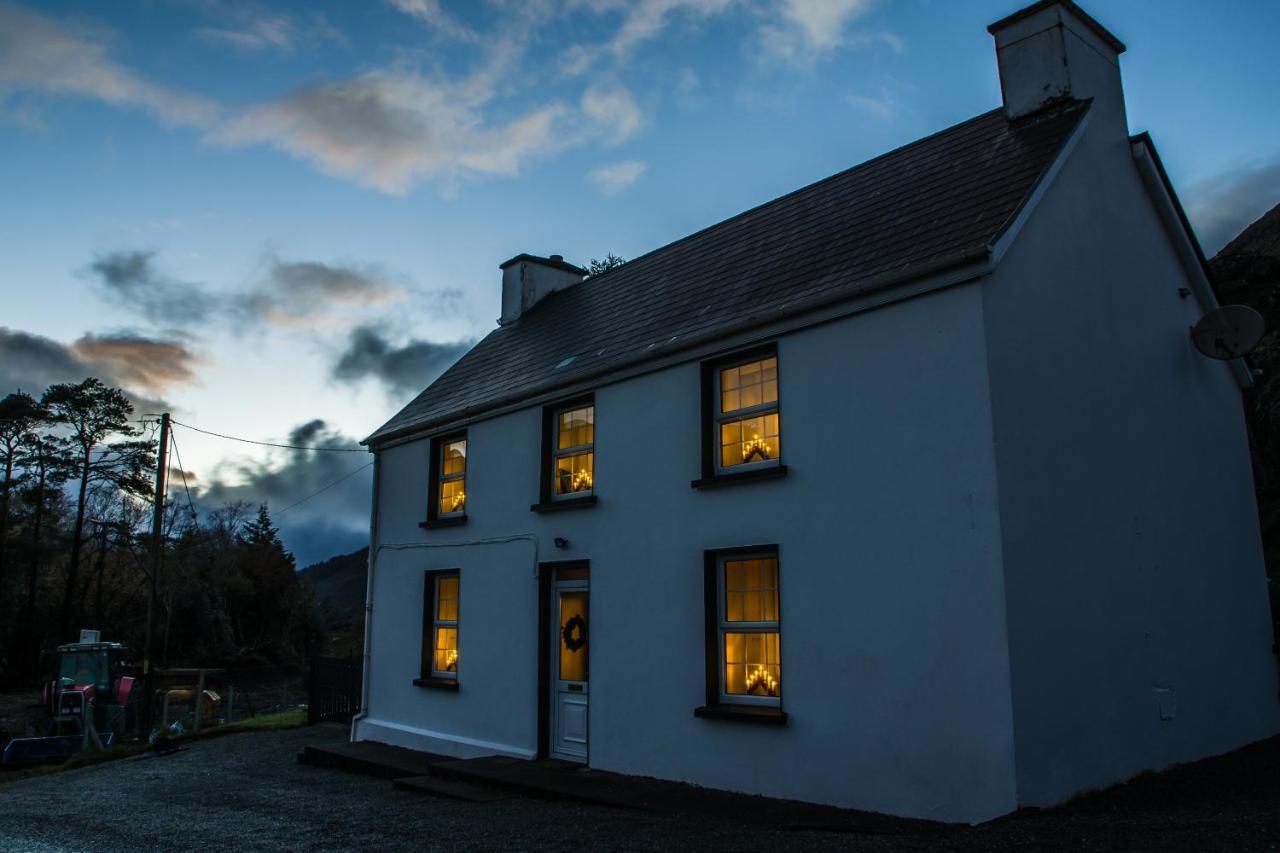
(451, 661)
(756, 445)
(760, 678)
(459, 501)
(581, 481)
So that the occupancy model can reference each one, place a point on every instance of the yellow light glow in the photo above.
(760, 678)
(755, 446)
(451, 661)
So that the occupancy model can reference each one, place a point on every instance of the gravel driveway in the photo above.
(246, 792)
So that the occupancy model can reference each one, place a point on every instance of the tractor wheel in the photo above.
(116, 721)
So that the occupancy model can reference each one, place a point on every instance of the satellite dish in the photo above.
(1231, 331)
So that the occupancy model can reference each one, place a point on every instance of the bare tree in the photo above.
(19, 415)
(93, 413)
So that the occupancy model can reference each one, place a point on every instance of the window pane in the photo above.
(750, 440)
(751, 590)
(453, 496)
(574, 473)
(453, 458)
(747, 385)
(752, 665)
(446, 650)
(447, 599)
(573, 636)
(576, 428)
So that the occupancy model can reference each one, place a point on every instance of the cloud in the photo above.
(138, 361)
(1222, 206)
(257, 35)
(799, 32)
(402, 370)
(296, 291)
(642, 22)
(38, 54)
(616, 177)
(129, 278)
(389, 131)
(31, 363)
(335, 520)
(431, 13)
(882, 106)
(612, 112)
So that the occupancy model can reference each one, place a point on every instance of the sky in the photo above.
(281, 221)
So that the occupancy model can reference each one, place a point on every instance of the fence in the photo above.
(334, 689)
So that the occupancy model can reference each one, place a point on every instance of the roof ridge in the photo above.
(779, 199)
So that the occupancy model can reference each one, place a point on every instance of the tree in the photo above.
(611, 261)
(19, 415)
(92, 413)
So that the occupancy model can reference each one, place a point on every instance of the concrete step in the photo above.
(452, 790)
(369, 758)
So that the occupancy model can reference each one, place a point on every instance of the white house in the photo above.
(906, 491)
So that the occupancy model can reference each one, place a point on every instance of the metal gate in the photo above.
(334, 689)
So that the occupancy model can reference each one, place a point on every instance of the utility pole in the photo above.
(102, 565)
(157, 544)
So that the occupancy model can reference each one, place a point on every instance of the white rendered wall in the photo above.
(895, 663)
(1132, 556)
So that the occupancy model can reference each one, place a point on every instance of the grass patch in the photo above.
(291, 719)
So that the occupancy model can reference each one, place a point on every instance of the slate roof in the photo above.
(945, 197)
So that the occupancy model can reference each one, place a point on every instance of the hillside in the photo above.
(1247, 271)
(339, 585)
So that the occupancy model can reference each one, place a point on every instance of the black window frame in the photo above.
(428, 677)
(715, 707)
(713, 476)
(434, 518)
(548, 501)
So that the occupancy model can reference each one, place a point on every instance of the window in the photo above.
(568, 456)
(747, 414)
(744, 635)
(440, 629)
(574, 451)
(741, 420)
(448, 474)
(453, 477)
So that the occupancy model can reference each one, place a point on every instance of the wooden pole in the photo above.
(157, 545)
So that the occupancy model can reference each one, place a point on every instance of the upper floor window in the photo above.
(746, 414)
(448, 475)
(573, 451)
(453, 477)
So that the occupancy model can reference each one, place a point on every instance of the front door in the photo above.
(569, 664)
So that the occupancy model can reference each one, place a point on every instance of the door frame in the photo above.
(546, 582)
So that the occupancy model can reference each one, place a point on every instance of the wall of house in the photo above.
(895, 664)
(1138, 615)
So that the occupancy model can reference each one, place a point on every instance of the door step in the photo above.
(451, 789)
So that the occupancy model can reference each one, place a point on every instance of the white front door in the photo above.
(569, 665)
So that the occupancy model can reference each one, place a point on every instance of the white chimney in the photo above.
(527, 279)
(1053, 50)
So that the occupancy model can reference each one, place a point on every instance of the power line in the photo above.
(325, 489)
(173, 442)
(271, 443)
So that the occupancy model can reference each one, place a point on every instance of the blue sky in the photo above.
(264, 215)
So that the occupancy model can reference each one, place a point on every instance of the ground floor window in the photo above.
(440, 625)
(744, 621)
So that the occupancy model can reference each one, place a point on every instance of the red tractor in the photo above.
(90, 700)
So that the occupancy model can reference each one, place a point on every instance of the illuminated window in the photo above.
(746, 414)
(447, 504)
(749, 636)
(573, 451)
(453, 477)
(440, 626)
